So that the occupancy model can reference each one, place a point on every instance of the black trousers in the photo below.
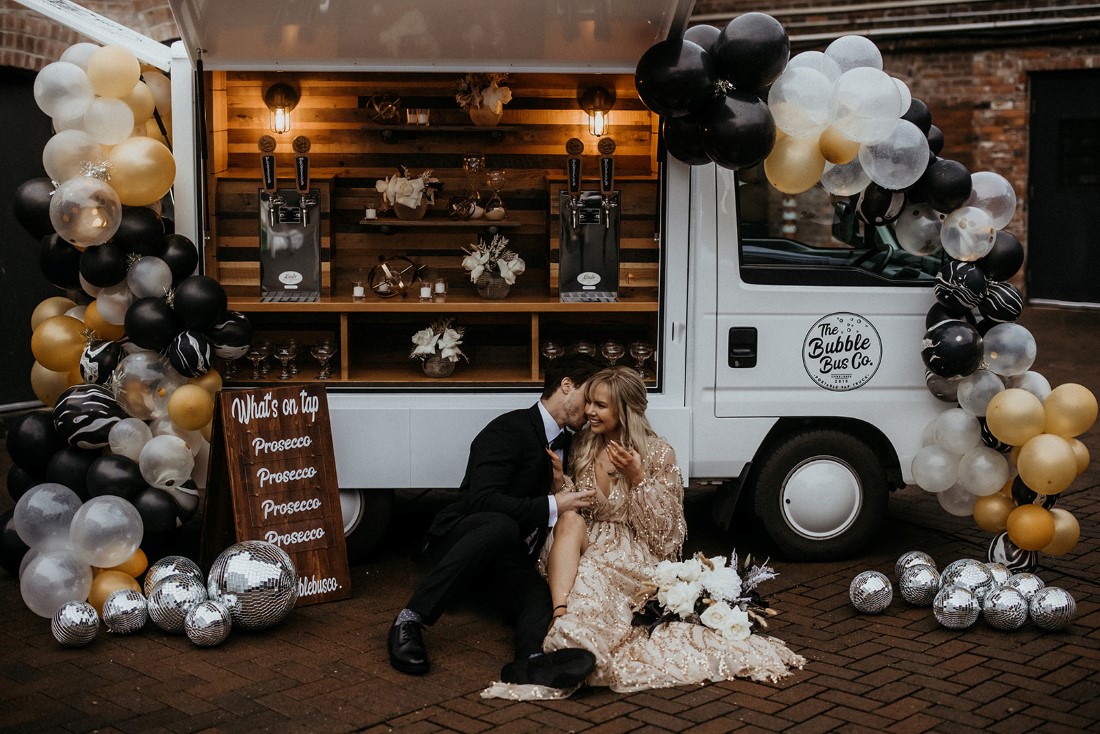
(488, 546)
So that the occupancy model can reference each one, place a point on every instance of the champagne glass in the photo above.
(552, 350)
(612, 351)
(256, 355)
(293, 356)
(283, 352)
(323, 352)
(265, 366)
(641, 351)
(586, 348)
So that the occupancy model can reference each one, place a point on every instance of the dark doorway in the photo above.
(1063, 240)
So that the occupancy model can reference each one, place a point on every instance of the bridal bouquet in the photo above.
(440, 338)
(402, 188)
(494, 257)
(711, 592)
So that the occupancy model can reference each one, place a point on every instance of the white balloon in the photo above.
(166, 461)
(79, 53)
(935, 469)
(864, 105)
(77, 312)
(799, 102)
(977, 389)
(983, 471)
(1009, 349)
(63, 90)
(43, 514)
(164, 426)
(957, 501)
(897, 161)
(968, 233)
(91, 290)
(918, 229)
(113, 302)
(52, 578)
(846, 179)
(109, 120)
(993, 193)
(817, 61)
(65, 153)
(1031, 381)
(149, 276)
(106, 531)
(906, 96)
(957, 431)
(850, 52)
(128, 437)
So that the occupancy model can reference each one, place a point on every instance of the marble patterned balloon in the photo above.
(955, 607)
(1053, 609)
(75, 624)
(167, 566)
(173, 598)
(1004, 608)
(125, 611)
(969, 574)
(871, 592)
(84, 415)
(257, 581)
(959, 285)
(1015, 559)
(231, 336)
(913, 558)
(208, 623)
(190, 353)
(919, 584)
(98, 361)
(1001, 302)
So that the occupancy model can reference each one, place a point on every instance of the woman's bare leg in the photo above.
(570, 541)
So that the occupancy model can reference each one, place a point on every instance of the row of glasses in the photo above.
(286, 353)
(611, 351)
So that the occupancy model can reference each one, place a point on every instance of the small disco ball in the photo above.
(910, 559)
(1000, 573)
(125, 611)
(919, 584)
(1025, 583)
(1005, 608)
(257, 581)
(75, 624)
(955, 607)
(167, 566)
(1052, 609)
(1015, 559)
(173, 598)
(208, 623)
(871, 592)
(968, 574)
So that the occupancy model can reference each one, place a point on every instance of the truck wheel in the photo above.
(821, 495)
(366, 514)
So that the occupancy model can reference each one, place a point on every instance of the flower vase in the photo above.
(484, 116)
(436, 366)
(491, 286)
(408, 212)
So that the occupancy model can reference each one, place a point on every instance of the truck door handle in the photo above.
(742, 347)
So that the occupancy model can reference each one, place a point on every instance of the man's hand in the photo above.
(558, 481)
(573, 500)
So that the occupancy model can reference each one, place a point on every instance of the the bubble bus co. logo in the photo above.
(842, 351)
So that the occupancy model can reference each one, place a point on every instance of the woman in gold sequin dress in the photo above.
(599, 566)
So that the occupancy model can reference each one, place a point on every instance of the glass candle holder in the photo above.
(425, 292)
(439, 290)
(358, 292)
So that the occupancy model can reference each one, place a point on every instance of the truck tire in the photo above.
(367, 514)
(821, 495)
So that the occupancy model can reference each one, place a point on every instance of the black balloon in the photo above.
(190, 353)
(878, 205)
(140, 230)
(181, 256)
(948, 183)
(939, 312)
(32, 440)
(12, 547)
(1021, 493)
(1004, 259)
(1001, 303)
(199, 301)
(673, 76)
(952, 348)
(103, 265)
(151, 323)
(115, 475)
(704, 34)
(69, 467)
(20, 480)
(231, 335)
(919, 115)
(98, 361)
(684, 139)
(85, 414)
(935, 140)
(959, 285)
(752, 51)
(31, 205)
(157, 509)
(738, 130)
(983, 325)
(59, 261)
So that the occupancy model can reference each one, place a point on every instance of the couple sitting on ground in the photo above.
(595, 512)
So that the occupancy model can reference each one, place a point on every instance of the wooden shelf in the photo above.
(389, 226)
(391, 133)
(455, 303)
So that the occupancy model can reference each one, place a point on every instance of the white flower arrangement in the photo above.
(485, 91)
(494, 257)
(710, 592)
(440, 338)
(401, 188)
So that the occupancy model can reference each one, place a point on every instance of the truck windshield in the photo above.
(815, 238)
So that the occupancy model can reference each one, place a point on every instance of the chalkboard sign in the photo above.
(275, 455)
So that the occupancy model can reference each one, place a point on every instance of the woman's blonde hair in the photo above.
(628, 398)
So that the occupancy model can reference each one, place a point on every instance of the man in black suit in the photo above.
(497, 527)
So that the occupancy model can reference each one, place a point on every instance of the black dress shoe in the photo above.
(406, 647)
(558, 669)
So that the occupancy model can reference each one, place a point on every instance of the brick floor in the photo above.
(325, 669)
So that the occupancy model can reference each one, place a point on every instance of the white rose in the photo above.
(739, 627)
(731, 622)
(666, 574)
(506, 271)
(691, 570)
(722, 583)
(425, 341)
(517, 265)
(681, 597)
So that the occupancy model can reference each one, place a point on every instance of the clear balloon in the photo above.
(143, 170)
(165, 426)
(166, 462)
(817, 61)
(113, 302)
(85, 211)
(65, 153)
(63, 90)
(993, 193)
(935, 469)
(957, 431)
(846, 179)
(897, 160)
(918, 229)
(850, 52)
(108, 120)
(113, 70)
(977, 389)
(53, 578)
(864, 106)
(105, 531)
(799, 101)
(968, 234)
(1031, 381)
(983, 471)
(149, 276)
(43, 514)
(1009, 349)
(957, 501)
(144, 380)
(906, 96)
(128, 437)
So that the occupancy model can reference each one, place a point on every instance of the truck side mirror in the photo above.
(845, 223)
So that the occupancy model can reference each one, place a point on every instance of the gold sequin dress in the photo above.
(629, 532)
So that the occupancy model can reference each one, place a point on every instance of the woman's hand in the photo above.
(627, 462)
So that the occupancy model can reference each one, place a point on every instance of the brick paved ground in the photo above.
(325, 670)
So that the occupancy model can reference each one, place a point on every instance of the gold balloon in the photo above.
(1030, 527)
(1070, 410)
(991, 512)
(1081, 451)
(141, 102)
(142, 171)
(794, 165)
(101, 328)
(208, 430)
(211, 381)
(836, 148)
(1067, 531)
(47, 384)
(191, 407)
(106, 582)
(133, 566)
(1047, 464)
(58, 343)
(113, 71)
(54, 306)
(1014, 416)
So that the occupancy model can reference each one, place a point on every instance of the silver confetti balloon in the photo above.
(1053, 609)
(125, 611)
(1000, 573)
(919, 584)
(173, 598)
(75, 623)
(167, 566)
(871, 592)
(910, 559)
(208, 623)
(257, 581)
(1005, 608)
(968, 574)
(955, 607)
(1015, 559)
(1025, 583)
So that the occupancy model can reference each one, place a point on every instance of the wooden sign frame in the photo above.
(273, 477)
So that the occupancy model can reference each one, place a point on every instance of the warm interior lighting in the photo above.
(597, 102)
(280, 99)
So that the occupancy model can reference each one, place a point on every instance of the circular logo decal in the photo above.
(290, 277)
(842, 351)
(589, 278)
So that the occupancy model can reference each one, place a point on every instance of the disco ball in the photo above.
(208, 623)
(910, 559)
(919, 584)
(125, 611)
(1000, 573)
(257, 581)
(972, 575)
(173, 598)
(167, 566)
(955, 607)
(1015, 559)
(75, 623)
(1025, 583)
(952, 568)
(1005, 608)
(871, 592)
(1052, 609)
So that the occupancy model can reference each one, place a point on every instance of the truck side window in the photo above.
(815, 238)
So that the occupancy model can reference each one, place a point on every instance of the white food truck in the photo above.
(786, 365)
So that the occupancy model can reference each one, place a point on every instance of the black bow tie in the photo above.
(560, 441)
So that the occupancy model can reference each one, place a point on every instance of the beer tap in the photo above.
(606, 146)
(267, 167)
(574, 147)
(301, 175)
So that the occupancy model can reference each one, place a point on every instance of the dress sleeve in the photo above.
(655, 507)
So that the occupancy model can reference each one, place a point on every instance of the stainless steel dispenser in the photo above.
(290, 231)
(589, 231)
